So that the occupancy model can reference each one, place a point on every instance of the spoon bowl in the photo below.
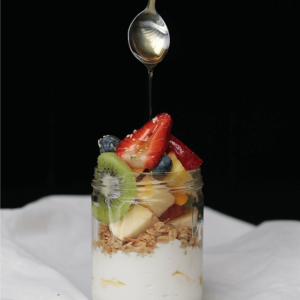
(148, 36)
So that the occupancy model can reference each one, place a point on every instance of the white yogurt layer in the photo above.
(170, 272)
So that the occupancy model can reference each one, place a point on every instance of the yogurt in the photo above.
(170, 272)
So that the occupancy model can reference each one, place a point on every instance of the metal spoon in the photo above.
(149, 41)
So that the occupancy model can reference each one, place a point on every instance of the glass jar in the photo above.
(147, 236)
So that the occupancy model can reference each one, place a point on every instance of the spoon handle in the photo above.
(150, 74)
(151, 6)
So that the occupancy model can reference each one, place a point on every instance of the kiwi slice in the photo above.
(114, 188)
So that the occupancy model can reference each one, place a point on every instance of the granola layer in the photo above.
(147, 241)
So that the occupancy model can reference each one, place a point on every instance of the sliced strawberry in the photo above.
(185, 155)
(145, 147)
(172, 213)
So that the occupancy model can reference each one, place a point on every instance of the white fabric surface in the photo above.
(46, 254)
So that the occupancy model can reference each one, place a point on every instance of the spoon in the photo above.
(149, 41)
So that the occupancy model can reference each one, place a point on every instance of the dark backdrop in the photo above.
(228, 82)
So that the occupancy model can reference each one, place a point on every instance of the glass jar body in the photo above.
(155, 249)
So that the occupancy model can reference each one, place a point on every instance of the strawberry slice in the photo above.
(172, 213)
(145, 147)
(185, 155)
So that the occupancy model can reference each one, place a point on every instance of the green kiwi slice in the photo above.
(114, 188)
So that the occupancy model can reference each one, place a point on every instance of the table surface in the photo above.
(46, 254)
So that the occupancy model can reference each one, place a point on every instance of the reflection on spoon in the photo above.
(149, 38)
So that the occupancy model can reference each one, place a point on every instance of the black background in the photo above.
(228, 81)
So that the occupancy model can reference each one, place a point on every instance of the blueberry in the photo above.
(165, 165)
(108, 143)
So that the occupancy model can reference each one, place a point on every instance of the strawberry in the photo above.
(171, 213)
(145, 147)
(185, 155)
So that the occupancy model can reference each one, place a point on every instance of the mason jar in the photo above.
(147, 235)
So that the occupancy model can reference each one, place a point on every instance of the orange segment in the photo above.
(137, 170)
(180, 199)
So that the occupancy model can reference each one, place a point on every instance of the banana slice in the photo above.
(188, 218)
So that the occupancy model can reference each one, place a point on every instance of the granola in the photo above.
(147, 241)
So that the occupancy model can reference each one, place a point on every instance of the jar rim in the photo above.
(198, 170)
(191, 179)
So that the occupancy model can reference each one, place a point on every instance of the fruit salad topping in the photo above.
(108, 143)
(165, 165)
(149, 143)
(140, 210)
(185, 155)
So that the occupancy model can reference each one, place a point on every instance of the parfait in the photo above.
(147, 207)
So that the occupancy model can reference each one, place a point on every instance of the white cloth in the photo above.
(46, 254)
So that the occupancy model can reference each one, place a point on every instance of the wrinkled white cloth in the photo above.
(46, 254)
